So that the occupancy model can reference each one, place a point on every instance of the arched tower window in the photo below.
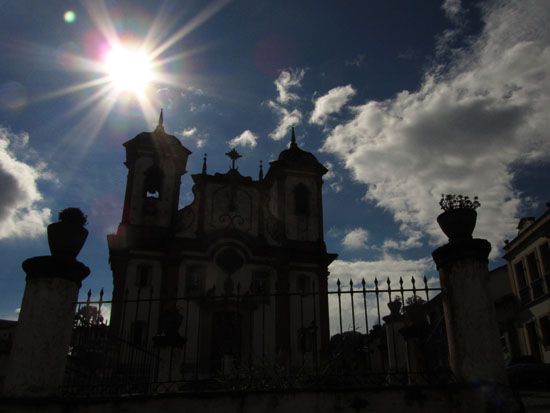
(301, 200)
(153, 182)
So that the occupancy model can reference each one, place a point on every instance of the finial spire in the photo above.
(261, 175)
(204, 164)
(160, 125)
(293, 139)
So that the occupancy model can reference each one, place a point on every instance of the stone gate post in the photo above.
(475, 353)
(396, 345)
(39, 353)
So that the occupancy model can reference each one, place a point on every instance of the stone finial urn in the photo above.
(459, 219)
(458, 223)
(394, 306)
(67, 236)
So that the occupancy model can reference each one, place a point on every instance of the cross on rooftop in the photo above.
(233, 155)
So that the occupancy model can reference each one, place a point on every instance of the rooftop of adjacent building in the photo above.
(529, 230)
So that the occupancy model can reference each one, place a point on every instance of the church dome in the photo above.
(158, 139)
(297, 158)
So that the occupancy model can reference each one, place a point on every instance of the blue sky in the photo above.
(401, 100)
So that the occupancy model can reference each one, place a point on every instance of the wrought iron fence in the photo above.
(367, 334)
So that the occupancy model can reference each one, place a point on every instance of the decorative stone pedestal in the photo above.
(39, 353)
(475, 353)
(397, 358)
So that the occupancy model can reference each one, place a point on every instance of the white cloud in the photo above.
(390, 268)
(330, 174)
(186, 133)
(355, 239)
(196, 135)
(462, 131)
(20, 213)
(287, 80)
(453, 9)
(357, 61)
(247, 138)
(191, 90)
(413, 240)
(331, 103)
(337, 183)
(287, 118)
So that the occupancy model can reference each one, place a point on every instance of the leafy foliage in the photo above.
(449, 202)
(414, 300)
(73, 216)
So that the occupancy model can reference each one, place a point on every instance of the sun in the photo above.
(129, 69)
(125, 70)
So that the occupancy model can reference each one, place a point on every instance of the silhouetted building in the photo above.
(7, 329)
(528, 262)
(239, 236)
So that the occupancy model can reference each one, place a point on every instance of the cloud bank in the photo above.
(465, 130)
(20, 212)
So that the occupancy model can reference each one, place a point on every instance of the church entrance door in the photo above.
(226, 341)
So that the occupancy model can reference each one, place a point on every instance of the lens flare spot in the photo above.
(129, 69)
(13, 96)
(69, 16)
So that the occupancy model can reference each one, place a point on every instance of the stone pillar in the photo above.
(413, 335)
(475, 353)
(39, 353)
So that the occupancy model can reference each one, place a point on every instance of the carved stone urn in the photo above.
(458, 223)
(394, 307)
(67, 236)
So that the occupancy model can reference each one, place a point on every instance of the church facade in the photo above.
(240, 273)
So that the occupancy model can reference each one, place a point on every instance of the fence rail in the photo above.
(258, 339)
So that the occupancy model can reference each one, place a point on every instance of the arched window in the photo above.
(301, 200)
(152, 184)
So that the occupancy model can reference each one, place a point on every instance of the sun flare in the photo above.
(124, 71)
(129, 69)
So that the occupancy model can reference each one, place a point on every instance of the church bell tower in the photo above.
(155, 161)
